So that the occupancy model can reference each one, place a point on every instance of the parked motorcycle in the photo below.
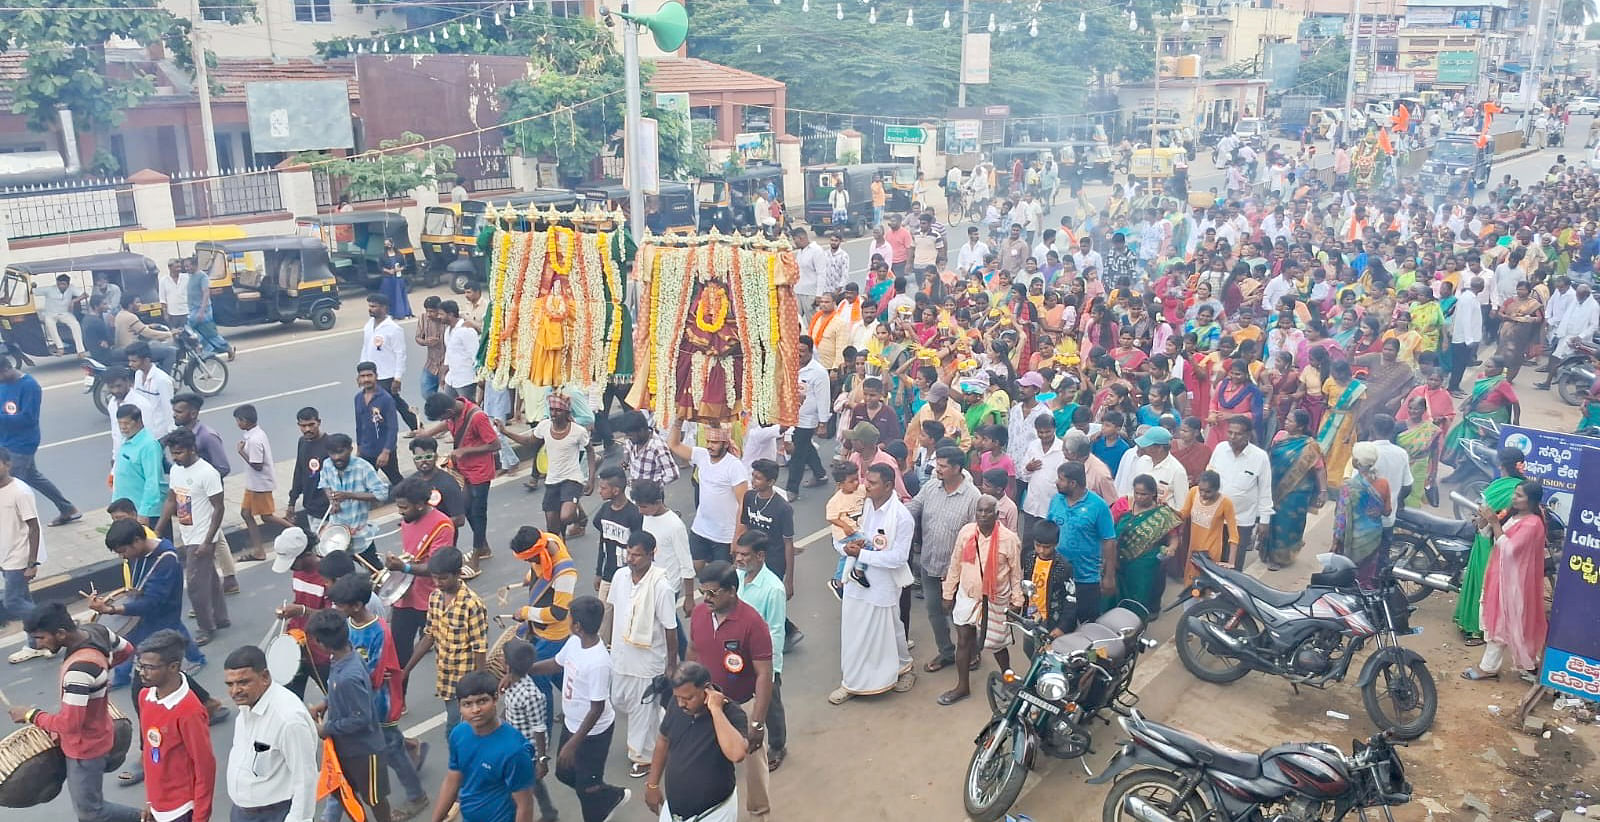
(1164, 774)
(1438, 548)
(1073, 679)
(1480, 462)
(205, 373)
(1312, 637)
(1575, 375)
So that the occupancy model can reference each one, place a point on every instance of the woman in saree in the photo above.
(1337, 434)
(1128, 355)
(1520, 320)
(1349, 326)
(1144, 538)
(1427, 318)
(1315, 375)
(1514, 622)
(1205, 329)
(926, 328)
(1299, 486)
(1497, 496)
(1235, 394)
(1388, 378)
(1492, 398)
(1190, 449)
(1422, 439)
(1284, 389)
(1358, 519)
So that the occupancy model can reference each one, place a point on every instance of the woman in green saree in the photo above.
(1358, 519)
(1498, 497)
(1299, 486)
(1492, 398)
(1421, 439)
(1337, 435)
(1144, 538)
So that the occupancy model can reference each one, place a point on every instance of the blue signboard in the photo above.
(1552, 459)
(1572, 646)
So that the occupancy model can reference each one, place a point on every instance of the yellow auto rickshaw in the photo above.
(21, 328)
(446, 229)
(1160, 163)
(260, 280)
(162, 244)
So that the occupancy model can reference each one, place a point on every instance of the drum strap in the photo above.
(127, 571)
(425, 548)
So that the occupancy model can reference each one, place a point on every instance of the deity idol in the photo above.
(710, 364)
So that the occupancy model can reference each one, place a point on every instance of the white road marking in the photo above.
(208, 409)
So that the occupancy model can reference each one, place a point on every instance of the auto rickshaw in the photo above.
(260, 280)
(899, 183)
(20, 325)
(1092, 159)
(857, 179)
(672, 210)
(727, 202)
(355, 244)
(162, 244)
(446, 228)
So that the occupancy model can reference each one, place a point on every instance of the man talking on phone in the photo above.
(697, 758)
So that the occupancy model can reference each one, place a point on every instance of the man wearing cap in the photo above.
(1155, 458)
(938, 407)
(1020, 417)
(864, 451)
(290, 555)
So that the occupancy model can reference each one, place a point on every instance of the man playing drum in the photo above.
(84, 724)
(552, 580)
(424, 529)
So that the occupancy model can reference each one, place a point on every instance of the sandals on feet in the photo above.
(1475, 675)
(936, 665)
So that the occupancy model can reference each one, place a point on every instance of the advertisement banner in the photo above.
(1572, 646)
(1553, 460)
(675, 104)
(1458, 67)
(975, 59)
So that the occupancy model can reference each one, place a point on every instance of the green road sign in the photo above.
(904, 135)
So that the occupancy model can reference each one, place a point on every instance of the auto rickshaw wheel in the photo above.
(459, 281)
(323, 318)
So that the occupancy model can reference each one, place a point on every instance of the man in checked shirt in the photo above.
(458, 628)
(644, 454)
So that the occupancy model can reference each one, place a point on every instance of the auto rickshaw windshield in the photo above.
(905, 175)
(438, 223)
(14, 289)
(212, 261)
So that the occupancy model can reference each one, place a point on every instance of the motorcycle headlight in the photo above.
(1051, 686)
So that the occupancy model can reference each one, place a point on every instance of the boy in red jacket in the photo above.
(180, 768)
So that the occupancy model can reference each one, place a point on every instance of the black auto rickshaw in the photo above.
(269, 280)
(355, 245)
(899, 186)
(857, 179)
(727, 202)
(671, 210)
(20, 325)
(1092, 159)
(446, 229)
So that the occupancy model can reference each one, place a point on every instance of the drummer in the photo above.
(552, 580)
(423, 531)
(353, 486)
(293, 554)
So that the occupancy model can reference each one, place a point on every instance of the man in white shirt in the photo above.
(1155, 458)
(1466, 330)
(839, 202)
(1394, 466)
(816, 406)
(1246, 474)
(723, 481)
(1086, 257)
(55, 306)
(1276, 289)
(672, 541)
(460, 352)
(972, 254)
(273, 760)
(119, 384)
(1562, 298)
(813, 263)
(1579, 325)
(173, 292)
(194, 511)
(154, 385)
(1046, 244)
(383, 344)
(1032, 216)
(644, 645)
(1038, 472)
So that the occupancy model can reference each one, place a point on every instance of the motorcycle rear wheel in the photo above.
(1397, 687)
(994, 777)
(1197, 657)
(207, 376)
(1415, 556)
(1159, 788)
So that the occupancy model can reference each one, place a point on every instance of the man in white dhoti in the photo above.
(873, 655)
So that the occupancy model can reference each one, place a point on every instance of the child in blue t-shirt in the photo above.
(491, 774)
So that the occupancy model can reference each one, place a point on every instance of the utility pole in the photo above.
(202, 86)
(961, 89)
(1155, 112)
(1350, 76)
(1535, 81)
(630, 60)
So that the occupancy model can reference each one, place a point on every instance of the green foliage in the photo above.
(893, 69)
(1592, 31)
(66, 62)
(1324, 72)
(1578, 12)
(392, 171)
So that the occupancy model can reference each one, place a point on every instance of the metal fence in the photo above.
(253, 191)
(330, 188)
(66, 208)
(483, 170)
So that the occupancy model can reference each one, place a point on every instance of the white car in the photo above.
(1584, 105)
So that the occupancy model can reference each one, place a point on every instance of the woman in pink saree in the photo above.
(1513, 614)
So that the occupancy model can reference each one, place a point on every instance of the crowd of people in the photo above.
(1083, 407)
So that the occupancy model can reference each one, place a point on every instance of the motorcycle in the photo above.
(1480, 462)
(205, 373)
(1438, 548)
(1312, 637)
(1164, 774)
(1073, 679)
(1575, 375)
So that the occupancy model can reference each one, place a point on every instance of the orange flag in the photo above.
(1483, 138)
(330, 779)
(1402, 118)
(1383, 141)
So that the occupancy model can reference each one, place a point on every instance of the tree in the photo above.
(1578, 12)
(390, 172)
(1592, 32)
(66, 60)
(1325, 72)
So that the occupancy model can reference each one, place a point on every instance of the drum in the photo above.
(119, 624)
(495, 662)
(394, 586)
(121, 738)
(32, 768)
(333, 537)
(283, 658)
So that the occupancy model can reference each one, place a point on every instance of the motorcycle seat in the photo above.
(1237, 763)
(1260, 590)
(1436, 525)
(1087, 635)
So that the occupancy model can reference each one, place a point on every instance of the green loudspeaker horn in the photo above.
(669, 26)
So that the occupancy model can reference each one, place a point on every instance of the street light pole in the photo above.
(1350, 74)
(630, 125)
(961, 89)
